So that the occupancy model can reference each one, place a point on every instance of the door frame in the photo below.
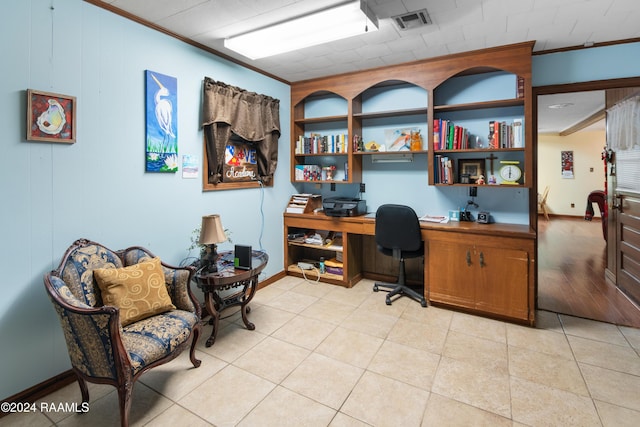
(621, 83)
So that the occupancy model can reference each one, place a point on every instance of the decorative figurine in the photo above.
(480, 180)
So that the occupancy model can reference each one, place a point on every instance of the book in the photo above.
(518, 139)
(520, 87)
(432, 218)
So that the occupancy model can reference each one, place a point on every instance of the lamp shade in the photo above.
(211, 231)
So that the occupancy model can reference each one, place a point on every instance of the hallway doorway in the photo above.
(571, 279)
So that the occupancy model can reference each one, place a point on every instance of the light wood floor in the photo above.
(571, 264)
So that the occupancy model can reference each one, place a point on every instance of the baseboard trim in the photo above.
(266, 282)
(38, 391)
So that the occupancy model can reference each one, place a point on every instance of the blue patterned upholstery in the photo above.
(153, 338)
(100, 349)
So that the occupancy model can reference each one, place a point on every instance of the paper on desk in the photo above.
(434, 218)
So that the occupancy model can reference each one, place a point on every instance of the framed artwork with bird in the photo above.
(161, 114)
(51, 117)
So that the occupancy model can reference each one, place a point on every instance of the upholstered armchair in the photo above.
(113, 326)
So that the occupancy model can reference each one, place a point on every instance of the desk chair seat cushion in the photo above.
(398, 227)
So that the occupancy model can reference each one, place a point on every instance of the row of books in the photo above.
(321, 144)
(449, 136)
(506, 135)
(443, 170)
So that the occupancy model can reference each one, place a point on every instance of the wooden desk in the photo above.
(483, 268)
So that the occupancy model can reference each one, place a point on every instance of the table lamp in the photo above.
(211, 233)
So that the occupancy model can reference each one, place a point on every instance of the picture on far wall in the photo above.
(161, 113)
(567, 164)
(51, 117)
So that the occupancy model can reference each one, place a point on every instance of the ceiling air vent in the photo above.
(411, 20)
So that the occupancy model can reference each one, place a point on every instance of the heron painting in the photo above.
(162, 122)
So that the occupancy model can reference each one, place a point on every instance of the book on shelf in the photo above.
(304, 203)
(506, 135)
(308, 173)
(520, 87)
(518, 137)
(449, 136)
(321, 144)
(443, 173)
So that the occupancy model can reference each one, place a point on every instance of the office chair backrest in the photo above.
(398, 227)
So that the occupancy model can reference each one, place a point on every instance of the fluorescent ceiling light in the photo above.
(392, 158)
(563, 105)
(345, 20)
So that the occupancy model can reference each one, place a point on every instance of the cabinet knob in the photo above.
(468, 257)
(482, 264)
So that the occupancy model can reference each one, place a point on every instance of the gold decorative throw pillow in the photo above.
(139, 290)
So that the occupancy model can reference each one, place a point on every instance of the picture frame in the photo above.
(51, 117)
(161, 122)
(470, 169)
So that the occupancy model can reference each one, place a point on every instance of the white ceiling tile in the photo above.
(459, 25)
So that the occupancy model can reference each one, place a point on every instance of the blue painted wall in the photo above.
(97, 188)
(596, 63)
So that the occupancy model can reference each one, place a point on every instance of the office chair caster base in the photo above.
(388, 301)
(375, 288)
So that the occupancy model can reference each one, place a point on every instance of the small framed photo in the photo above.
(51, 117)
(470, 170)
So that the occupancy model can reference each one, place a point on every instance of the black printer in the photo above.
(344, 206)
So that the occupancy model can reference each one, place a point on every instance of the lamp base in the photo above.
(209, 259)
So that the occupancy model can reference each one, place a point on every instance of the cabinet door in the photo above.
(502, 281)
(452, 274)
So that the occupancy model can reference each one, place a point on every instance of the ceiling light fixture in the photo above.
(340, 22)
(562, 105)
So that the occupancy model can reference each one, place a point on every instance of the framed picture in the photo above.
(470, 170)
(51, 117)
(161, 114)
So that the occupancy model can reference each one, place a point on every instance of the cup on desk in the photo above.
(454, 215)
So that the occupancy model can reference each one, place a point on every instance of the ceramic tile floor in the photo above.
(323, 355)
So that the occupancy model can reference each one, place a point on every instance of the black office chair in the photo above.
(398, 235)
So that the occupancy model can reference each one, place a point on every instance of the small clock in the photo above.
(510, 172)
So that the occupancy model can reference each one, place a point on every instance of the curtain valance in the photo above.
(229, 112)
(623, 125)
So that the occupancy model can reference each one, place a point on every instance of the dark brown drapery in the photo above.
(253, 117)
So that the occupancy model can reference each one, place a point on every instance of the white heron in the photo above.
(164, 112)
